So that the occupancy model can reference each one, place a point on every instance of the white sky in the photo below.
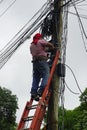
(16, 75)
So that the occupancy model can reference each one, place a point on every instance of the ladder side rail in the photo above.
(40, 111)
(51, 74)
(25, 114)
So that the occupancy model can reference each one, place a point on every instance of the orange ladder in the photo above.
(40, 107)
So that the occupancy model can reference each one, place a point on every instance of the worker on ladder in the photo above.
(41, 68)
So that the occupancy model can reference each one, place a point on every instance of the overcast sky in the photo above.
(16, 74)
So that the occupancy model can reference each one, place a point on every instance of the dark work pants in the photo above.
(40, 74)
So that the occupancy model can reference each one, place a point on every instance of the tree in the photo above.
(81, 123)
(83, 100)
(8, 107)
(75, 119)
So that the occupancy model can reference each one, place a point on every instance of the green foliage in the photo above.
(73, 119)
(82, 122)
(8, 107)
(66, 118)
(83, 100)
(76, 119)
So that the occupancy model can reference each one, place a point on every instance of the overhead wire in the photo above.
(81, 9)
(80, 20)
(6, 57)
(71, 69)
(29, 28)
(82, 5)
(13, 45)
(18, 33)
(81, 15)
(19, 38)
(63, 55)
(76, 2)
(82, 30)
(70, 89)
(74, 78)
(63, 47)
(69, 3)
(7, 8)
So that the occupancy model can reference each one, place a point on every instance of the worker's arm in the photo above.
(47, 44)
(50, 45)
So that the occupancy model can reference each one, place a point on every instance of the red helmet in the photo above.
(36, 37)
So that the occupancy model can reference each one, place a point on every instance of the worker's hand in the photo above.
(53, 47)
(50, 45)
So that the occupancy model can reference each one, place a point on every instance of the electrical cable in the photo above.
(64, 52)
(63, 56)
(5, 53)
(81, 15)
(30, 27)
(80, 21)
(82, 30)
(82, 37)
(70, 89)
(85, 17)
(11, 50)
(82, 5)
(81, 9)
(74, 78)
(8, 51)
(7, 8)
(41, 9)
(69, 3)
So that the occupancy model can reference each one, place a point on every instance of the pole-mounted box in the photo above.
(61, 70)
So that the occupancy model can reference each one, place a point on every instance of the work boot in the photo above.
(34, 96)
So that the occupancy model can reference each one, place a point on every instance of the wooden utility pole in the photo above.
(52, 121)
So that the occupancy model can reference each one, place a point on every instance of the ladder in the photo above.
(40, 107)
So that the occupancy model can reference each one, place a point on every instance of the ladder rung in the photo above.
(32, 107)
(28, 118)
(26, 129)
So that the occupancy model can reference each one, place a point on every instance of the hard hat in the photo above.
(37, 36)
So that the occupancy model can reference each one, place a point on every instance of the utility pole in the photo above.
(52, 119)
